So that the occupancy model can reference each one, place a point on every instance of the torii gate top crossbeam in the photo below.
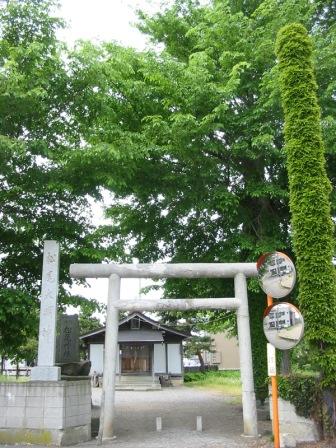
(164, 270)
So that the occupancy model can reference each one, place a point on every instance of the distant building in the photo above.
(226, 352)
(278, 267)
(281, 319)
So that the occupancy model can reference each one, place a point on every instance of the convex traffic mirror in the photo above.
(276, 273)
(283, 325)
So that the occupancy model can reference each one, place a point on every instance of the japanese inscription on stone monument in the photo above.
(46, 369)
(68, 339)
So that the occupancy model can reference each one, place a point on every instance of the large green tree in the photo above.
(189, 138)
(35, 202)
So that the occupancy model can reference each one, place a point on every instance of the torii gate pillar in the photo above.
(245, 358)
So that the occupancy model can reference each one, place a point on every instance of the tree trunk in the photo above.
(285, 366)
(201, 360)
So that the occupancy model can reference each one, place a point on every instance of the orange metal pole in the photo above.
(275, 406)
(276, 431)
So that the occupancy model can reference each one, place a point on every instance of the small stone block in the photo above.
(56, 413)
(199, 426)
(34, 402)
(16, 401)
(84, 399)
(34, 412)
(45, 373)
(53, 392)
(34, 423)
(287, 441)
(75, 420)
(72, 411)
(17, 412)
(55, 402)
(84, 407)
(35, 391)
(14, 422)
(158, 424)
(51, 423)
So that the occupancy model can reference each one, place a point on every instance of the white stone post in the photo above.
(245, 356)
(158, 421)
(110, 358)
(46, 369)
(199, 425)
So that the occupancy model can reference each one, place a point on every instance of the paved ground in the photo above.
(179, 407)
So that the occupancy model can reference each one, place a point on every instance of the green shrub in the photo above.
(225, 376)
(302, 391)
(306, 392)
(193, 376)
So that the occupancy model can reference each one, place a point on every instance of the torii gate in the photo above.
(114, 272)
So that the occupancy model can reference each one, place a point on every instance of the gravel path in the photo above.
(179, 407)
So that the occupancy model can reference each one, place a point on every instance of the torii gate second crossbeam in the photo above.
(114, 272)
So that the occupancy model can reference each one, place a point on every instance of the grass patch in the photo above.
(227, 382)
(13, 379)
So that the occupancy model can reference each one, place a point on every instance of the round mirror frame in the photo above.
(277, 281)
(284, 326)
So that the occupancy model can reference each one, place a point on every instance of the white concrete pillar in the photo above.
(110, 358)
(245, 355)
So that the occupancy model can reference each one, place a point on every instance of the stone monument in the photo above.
(68, 339)
(67, 348)
(46, 369)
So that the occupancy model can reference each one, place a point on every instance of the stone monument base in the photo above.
(45, 412)
(294, 428)
(46, 373)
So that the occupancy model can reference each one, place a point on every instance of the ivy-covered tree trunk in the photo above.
(257, 305)
(312, 227)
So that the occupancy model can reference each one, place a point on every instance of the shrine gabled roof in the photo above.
(142, 317)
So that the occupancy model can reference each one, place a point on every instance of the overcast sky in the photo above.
(105, 20)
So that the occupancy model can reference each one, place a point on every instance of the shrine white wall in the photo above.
(174, 359)
(96, 357)
(159, 358)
